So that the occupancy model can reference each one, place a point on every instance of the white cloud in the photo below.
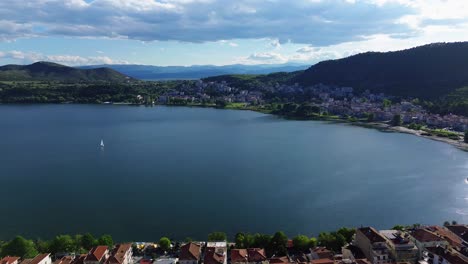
(302, 21)
(71, 60)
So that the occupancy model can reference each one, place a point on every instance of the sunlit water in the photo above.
(185, 172)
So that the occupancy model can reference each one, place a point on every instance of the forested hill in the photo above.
(48, 71)
(428, 72)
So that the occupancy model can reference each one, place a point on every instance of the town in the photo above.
(328, 100)
(446, 244)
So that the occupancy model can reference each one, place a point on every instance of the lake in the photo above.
(185, 172)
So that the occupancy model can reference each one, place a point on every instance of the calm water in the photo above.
(189, 171)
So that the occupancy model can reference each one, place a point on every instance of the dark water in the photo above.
(188, 171)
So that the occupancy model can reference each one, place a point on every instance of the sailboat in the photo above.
(102, 143)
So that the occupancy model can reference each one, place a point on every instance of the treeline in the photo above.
(80, 243)
(50, 92)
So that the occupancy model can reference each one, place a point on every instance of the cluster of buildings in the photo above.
(120, 254)
(335, 100)
(422, 245)
(419, 245)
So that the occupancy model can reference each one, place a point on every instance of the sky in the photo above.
(220, 32)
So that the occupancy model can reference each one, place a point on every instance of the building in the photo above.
(9, 260)
(190, 253)
(42, 259)
(424, 238)
(373, 245)
(65, 260)
(122, 254)
(440, 255)
(215, 255)
(97, 255)
(321, 253)
(401, 247)
(251, 256)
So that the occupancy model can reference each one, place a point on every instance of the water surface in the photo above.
(185, 172)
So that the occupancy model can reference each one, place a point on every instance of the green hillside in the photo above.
(48, 71)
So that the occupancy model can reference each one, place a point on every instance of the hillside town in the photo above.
(416, 245)
(332, 100)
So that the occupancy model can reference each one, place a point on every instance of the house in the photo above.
(279, 260)
(190, 253)
(251, 256)
(440, 255)
(80, 259)
(97, 255)
(454, 240)
(9, 260)
(424, 238)
(321, 253)
(65, 260)
(257, 255)
(215, 255)
(373, 245)
(401, 247)
(322, 261)
(461, 231)
(42, 259)
(239, 256)
(352, 252)
(121, 254)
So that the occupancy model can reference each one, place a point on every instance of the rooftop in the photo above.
(372, 234)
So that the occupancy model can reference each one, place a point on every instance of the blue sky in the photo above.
(188, 32)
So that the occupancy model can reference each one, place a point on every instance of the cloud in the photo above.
(303, 21)
(71, 60)
(263, 58)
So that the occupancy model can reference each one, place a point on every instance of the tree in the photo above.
(20, 247)
(396, 120)
(399, 227)
(278, 244)
(333, 240)
(188, 240)
(239, 239)
(106, 240)
(465, 138)
(313, 242)
(370, 117)
(165, 243)
(386, 103)
(261, 240)
(88, 241)
(347, 233)
(301, 243)
(62, 244)
(217, 236)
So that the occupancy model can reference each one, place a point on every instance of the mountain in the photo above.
(147, 72)
(430, 72)
(48, 71)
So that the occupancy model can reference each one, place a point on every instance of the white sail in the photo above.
(102, 143)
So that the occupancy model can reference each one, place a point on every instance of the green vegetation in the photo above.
(465, 137)
(303, 243)
(165, 243)
(48, 71)
(336, 240)
(19, 246)
(217, 236)
(24, 248)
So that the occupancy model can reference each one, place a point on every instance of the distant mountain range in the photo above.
(48, 71)
(146, 72)
(429, 71)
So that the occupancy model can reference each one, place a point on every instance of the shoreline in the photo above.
(381, 126)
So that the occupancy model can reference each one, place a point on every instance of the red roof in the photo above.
(323, 261)
(190, 251)
(373, 235)
(213, 257)
(96, 253)
(239, 255)
(39, 258)
(323, 252)
(424, 235)
(453, 239)
(9, 260)
(279, 260)
(256, 254)
(64, 260)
